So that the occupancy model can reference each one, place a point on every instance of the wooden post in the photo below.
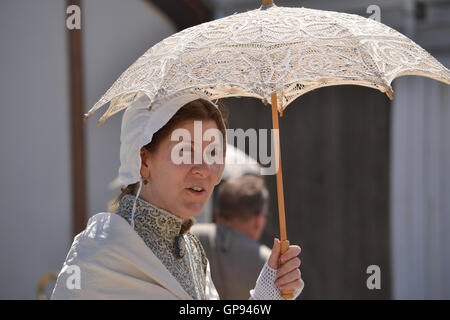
(288, 294)
(77, 129)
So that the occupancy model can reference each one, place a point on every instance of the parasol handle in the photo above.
(286, 294)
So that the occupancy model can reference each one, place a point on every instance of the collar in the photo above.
(162, 222)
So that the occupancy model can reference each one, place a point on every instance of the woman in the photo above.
(145, 249)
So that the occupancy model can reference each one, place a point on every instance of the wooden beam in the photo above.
(185, 13)
(76, 126)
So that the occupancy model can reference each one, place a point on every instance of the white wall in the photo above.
(35, 195)
(420, 188)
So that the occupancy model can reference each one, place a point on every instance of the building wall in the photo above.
(420, 183)
(35, 144)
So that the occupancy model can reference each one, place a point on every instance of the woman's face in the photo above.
(170, 182)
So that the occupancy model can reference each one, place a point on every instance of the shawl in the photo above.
(110, 260)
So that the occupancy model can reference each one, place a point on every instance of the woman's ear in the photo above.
(145, 168)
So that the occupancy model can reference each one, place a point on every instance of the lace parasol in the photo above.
(289, 51)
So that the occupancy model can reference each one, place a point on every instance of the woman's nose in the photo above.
(203, 169)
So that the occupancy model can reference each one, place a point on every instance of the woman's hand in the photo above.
(289, 276)
(272, 278)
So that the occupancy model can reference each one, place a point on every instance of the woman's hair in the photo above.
(199, 109)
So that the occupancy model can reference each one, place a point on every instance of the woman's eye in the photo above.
(185, 150)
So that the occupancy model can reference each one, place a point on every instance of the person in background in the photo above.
(230, 243)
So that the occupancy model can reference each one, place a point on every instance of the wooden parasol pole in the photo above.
(287, 294)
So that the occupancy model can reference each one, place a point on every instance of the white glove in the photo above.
(265, 286)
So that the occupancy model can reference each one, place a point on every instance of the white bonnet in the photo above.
(138, 126)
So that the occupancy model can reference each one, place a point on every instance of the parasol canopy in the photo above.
(289, 51)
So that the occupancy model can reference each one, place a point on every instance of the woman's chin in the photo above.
(192, 209)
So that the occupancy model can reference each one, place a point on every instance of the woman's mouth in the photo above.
(197, 191)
